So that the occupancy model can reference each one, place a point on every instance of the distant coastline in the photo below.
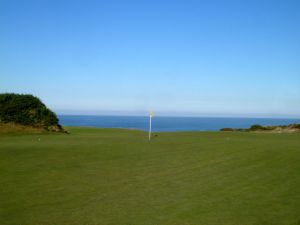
(171, 123)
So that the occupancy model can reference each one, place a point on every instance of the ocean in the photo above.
(167, 124)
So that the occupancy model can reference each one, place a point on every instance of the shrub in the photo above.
(26, 110)
(226, 129)
(297, 126)
(257, 127)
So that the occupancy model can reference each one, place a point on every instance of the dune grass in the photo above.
(117, 177)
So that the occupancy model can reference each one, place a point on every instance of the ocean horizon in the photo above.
(169, 123)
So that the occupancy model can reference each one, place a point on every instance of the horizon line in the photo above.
(185, 116)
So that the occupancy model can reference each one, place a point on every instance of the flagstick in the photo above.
(150, 127)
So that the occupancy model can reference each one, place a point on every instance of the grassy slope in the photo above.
(107, 176)
(11, 128)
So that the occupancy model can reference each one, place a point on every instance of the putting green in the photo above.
(117, 177)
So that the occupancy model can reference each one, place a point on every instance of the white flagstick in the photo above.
(150, 126)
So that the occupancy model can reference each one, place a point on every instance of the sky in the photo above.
(183, 58)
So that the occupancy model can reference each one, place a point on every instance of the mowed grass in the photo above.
(117, 177)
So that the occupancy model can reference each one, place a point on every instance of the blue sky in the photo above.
(198, 58)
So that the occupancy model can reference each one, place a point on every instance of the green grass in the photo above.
(117, 177)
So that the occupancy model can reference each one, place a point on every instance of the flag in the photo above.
(151, 114)
(150, 120)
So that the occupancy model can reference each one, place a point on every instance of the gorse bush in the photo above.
(297, 126)
(257, 127)
(26, 110)
(227, 129)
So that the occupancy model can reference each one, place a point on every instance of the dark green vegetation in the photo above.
(292, 128)
(27, 110)
(117, 177)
